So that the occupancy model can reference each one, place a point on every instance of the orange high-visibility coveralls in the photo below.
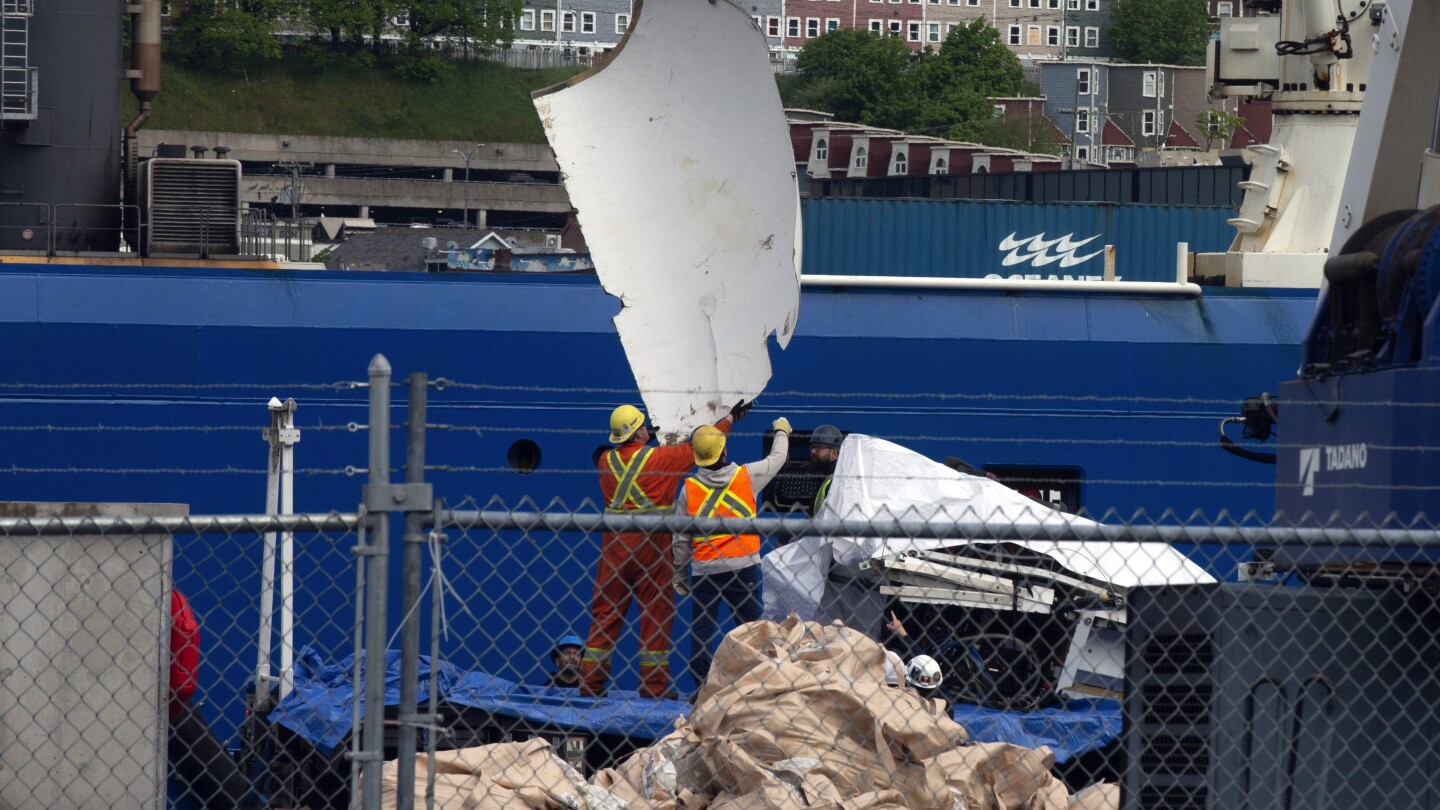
(634, 565)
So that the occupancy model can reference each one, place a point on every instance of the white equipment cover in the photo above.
(879, 479)
(677, 157)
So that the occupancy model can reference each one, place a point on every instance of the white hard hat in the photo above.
(893, 667)
(923, 672)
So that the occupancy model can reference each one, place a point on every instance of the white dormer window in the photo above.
(900, 164)
(861, 160)
(940, 167)
(822, 149)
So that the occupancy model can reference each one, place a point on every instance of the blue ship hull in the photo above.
(1126, 390)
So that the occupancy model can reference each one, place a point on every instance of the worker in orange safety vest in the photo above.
(726, 566)
(635, 477)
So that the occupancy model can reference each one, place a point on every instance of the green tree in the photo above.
(1028, 134)
(957, 83)
(478, 24)
(1217, 125)
(857, 75)
(344, 20)
(1171, 32)
(224, 37)
(863, 77)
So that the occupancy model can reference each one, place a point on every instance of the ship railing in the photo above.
(26, 224)
(90, 224)
(262, 235)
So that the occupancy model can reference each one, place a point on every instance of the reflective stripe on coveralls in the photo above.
(628, 495)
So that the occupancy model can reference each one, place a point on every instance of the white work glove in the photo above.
(782, 424)
(681, 580)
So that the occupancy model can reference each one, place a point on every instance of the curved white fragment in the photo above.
(677, 158)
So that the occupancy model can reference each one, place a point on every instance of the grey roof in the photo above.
(391, 249)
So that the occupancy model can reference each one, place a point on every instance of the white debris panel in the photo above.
(677, 158)
(879, 479)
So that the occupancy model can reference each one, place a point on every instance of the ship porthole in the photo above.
(524, 456)
(598, 457)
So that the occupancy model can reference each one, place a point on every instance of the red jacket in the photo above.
(184, 652)
(664, 470)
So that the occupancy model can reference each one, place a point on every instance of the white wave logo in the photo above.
(1037, 250)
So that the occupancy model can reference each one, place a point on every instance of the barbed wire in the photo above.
(343, 385)
(17, 470)
(442, 383)
(630, 394)
(1177, 482)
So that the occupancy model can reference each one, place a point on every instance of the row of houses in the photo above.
(1102, 114)
(1034, 29)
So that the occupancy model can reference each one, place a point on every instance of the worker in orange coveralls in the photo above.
(635, 477)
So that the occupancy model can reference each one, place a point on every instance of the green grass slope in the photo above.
(482, 101)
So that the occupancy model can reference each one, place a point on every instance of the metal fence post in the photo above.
(414, 541)
(377, 581)
(279, 500)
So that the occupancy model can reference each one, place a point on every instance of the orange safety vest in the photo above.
(735, 499)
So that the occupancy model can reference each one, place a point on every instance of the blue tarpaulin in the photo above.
(319, 708)
(619, 712)
(1069, 730)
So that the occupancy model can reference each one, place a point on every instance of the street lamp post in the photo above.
(465, 217)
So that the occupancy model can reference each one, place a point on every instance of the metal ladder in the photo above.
(17, 78)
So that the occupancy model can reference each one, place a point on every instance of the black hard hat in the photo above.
(827, 435)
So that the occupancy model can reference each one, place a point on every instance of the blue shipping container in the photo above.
(978, 239)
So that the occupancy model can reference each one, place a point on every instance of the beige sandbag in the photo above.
(507, 775)
(823, 648)
(1099, 796)
(1050, 796)
(649, 773)
(805, 690)
(998, 776)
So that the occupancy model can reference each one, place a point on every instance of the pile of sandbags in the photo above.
(794, 715)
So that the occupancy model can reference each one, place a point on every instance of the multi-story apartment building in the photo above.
(904, 19)
(1230, 8)
(1087, 24)
(1111, 111)
(1034, 29)
(596, 26)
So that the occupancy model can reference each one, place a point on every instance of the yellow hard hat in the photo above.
(709, 444)
(624, 421)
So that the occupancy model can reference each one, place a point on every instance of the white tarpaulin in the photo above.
(677, 157)
(879, 479)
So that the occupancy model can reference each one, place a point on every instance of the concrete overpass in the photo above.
(331, 171)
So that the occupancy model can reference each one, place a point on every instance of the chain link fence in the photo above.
(928, 638)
